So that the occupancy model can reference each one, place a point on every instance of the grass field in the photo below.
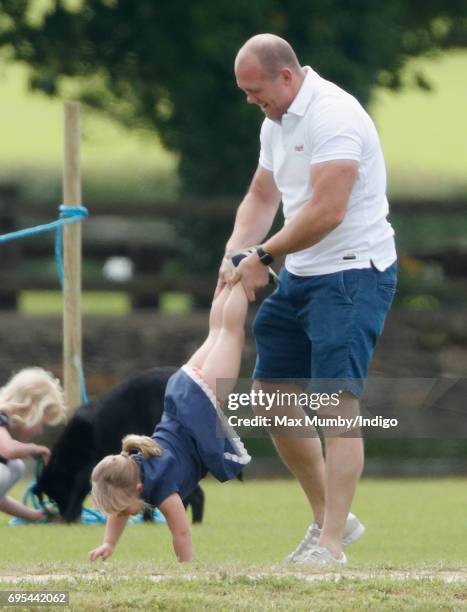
(117, 164)
(424, 140)
(114, 303)
(411, 557)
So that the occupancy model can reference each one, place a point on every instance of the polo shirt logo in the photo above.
(299, 148)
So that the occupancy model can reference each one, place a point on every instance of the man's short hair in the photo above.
(272, 52)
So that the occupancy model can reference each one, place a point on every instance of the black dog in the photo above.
(96, 430)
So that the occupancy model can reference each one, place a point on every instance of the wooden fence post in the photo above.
(72, 361)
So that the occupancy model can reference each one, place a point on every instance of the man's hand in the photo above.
(225, 272)
(103, 551)
(252, 274)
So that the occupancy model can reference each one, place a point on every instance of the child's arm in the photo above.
(174, 511)
(116, 523)
(12, 449)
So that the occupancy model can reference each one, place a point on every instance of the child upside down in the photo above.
(192, 439)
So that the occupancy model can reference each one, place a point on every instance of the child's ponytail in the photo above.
(144, 444)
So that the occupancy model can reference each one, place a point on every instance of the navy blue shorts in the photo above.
(190, 403)
(323, 327)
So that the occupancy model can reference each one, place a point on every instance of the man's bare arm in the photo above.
(332, 184)
(254, 219)
(256, 212)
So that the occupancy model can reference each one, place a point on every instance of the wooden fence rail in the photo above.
(143, 233)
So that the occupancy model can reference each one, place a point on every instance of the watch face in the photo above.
(264, 257)
(267, 259)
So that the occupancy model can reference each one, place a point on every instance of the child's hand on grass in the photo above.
(103, 551)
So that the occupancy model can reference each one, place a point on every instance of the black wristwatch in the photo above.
(264, 257)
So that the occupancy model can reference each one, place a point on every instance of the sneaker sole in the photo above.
(354, 535)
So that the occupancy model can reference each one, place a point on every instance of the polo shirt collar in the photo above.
(303, 98)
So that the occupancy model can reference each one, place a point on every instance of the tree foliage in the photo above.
(168, 65)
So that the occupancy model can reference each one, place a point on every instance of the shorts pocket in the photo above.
(388, 285)
(387, 280)
(348, 283)
(387, 291)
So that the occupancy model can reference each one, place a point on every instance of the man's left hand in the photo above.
(252, 274)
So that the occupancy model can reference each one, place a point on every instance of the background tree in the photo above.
(169, 66)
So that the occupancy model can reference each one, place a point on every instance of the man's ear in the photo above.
(287, 75)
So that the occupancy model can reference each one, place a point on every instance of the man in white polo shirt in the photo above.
(321, 156)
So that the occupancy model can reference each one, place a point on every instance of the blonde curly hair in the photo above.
(33, 396)
(115, 478)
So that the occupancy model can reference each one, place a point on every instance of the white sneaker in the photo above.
(311, 539)
(354, 529)
(318, 555)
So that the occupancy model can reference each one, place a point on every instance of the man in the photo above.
(320, 154)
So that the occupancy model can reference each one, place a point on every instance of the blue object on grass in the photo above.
(157, 517)
(17, 521)
(89, 516)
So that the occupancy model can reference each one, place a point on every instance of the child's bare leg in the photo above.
(223, 360)
(215, 324)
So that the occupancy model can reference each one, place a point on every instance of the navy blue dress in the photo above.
(195, 437)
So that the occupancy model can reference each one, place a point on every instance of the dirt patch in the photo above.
(448, 577)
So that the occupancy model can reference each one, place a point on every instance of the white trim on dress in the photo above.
(242, 455)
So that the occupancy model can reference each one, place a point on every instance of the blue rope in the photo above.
(67, 215)
(82, 385)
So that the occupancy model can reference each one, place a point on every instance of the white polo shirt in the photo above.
(326, 123)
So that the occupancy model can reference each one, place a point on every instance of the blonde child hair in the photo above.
(33, 396)
(114, 479)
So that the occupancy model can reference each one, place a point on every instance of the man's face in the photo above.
(271, 94)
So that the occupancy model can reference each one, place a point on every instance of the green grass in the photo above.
(226, 593)
(117, 164)
(114, 303)
(410, 523)
(413, 527)
(93, 303)
(424, 135)
(175, 303)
